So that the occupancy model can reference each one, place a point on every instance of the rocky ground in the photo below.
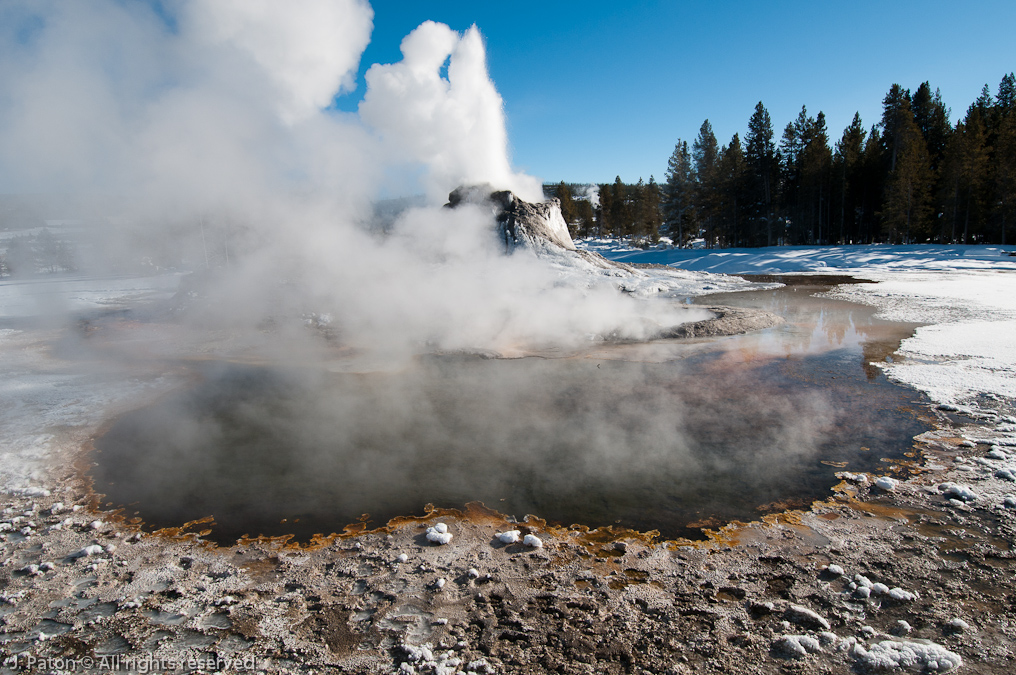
(916, 574)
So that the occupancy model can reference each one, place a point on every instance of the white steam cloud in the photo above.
(204, 130)
(453, 125)
(308, 49)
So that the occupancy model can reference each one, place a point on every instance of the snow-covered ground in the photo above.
(49, 403)
(965, 294)
(57, 294)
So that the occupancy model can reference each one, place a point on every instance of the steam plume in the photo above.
(207, 127)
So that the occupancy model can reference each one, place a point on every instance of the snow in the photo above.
(439, 534)
(799, 645)
(926, 656)
(966, 295)
(47, 295)
(801, 614)
(90, 550)
(957, 624)
(886, 483)
(509, 537)
(958, 491)
(901, 595)
(532, 541)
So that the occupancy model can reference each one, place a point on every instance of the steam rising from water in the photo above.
(202, 133)
(650, 446)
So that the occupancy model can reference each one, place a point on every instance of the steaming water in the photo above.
(671, 436)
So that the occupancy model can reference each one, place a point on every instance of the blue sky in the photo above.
(596, 89)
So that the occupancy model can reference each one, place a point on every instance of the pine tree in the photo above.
(815, 167)
(605, 226)
(731, 183)
(620, 210)
(1006, 99)
(586, 219)
(972, 151)
(848, 167)
(1003, 167)
(791, 153)
(873, 163)
(1005, 174)
(705, 153)
(909, 188)
(896, 111)
(650, 211)
(568, 211)
(679, 193)
(932, 118)
(760, 156)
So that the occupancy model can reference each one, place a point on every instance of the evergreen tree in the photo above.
(731, 183)
(896, 111)
(848, 168)
(791, 153)
(971, 162)
(568, 210)
(873, 163)
(1003, 165)
(1005, 174)
(585, 219)
(705, 153)
(1006, 99)
(932, 118)
(605, 227)
(650, 212)
(760, 156)
(815, 170)
(909, 188)
(679, 193)
(620, 211)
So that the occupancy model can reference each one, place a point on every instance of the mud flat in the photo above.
(909, 569)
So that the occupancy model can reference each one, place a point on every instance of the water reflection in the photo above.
(672, 435)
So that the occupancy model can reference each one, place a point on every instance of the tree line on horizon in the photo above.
(910, 178)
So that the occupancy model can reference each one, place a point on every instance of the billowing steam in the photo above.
(454, 126)
(204, 129)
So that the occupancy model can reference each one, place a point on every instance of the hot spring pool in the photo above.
(670, 436)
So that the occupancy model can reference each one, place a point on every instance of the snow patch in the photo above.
(509, 537)
(890, 654)
(798, 645)
(439, 534)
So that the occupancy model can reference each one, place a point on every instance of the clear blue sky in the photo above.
(596, 89)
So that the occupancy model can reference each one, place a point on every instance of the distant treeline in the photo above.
(29, 254)
(911, 178)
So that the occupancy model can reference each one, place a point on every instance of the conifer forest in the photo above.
(911, 177)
